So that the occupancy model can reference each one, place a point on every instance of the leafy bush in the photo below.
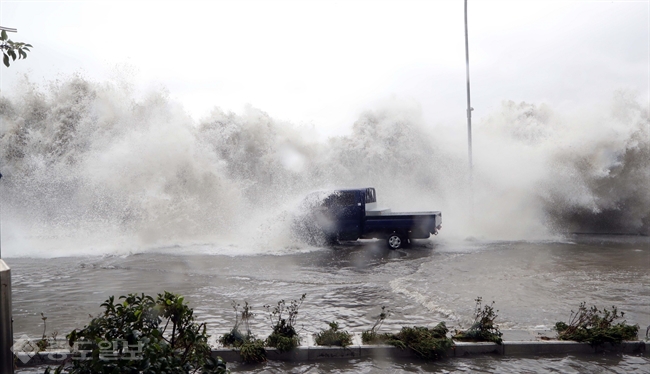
(428, 343)
(483, 329)
(9, 49)
(596, 326)
(143, 335)
(284, 336)
(333, 336)
(372, 336)
(251, 349)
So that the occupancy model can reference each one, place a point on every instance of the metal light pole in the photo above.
(469, 106)
(469, 127)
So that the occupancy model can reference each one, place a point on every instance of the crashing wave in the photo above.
(81, 158)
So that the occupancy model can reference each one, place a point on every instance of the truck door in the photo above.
(352, 215)
(347, 209)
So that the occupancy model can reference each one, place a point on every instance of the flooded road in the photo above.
(533, 284)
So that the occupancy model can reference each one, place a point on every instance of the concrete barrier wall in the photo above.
(309, 351)
(461, 349)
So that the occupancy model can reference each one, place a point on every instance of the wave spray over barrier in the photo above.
(89, 168)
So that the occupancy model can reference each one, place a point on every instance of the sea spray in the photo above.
(579, 173)
(90, 168)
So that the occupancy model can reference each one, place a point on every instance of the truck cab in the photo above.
(351, 214)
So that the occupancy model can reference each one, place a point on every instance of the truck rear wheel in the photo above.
(395, 241)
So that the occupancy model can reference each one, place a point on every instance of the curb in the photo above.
(311, 352)
(461, 349)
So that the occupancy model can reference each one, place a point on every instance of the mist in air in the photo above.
(91, 168)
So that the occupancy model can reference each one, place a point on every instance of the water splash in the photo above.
(91, 169)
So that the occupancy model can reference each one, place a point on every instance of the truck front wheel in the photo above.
(395, 241)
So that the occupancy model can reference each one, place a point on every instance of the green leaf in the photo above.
(5, 59)
(3, 36)
(29, 45)
(12, 54)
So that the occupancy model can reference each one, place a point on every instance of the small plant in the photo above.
(284, 336)
(46, 342)
(143, 335)
(43, 343)
(372, 336)
(596, 326)
(483, 329)
(427, 343)
(251, 349)
(235, 337)
(333, 336)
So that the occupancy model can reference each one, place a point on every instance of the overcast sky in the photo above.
(323, 62)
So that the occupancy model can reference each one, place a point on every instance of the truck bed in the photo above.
(417, 225)
(392, 214)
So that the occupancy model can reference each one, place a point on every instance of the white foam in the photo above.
(90, 169)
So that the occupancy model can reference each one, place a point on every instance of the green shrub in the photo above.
(427, 343)
(284, 336)
(235, 337)
(372, 336)
(483, 329)
(251, 349)
(45, 342)
(333, 336)
(596, 326)
(143, 335)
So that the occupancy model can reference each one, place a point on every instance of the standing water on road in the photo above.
(534, 285)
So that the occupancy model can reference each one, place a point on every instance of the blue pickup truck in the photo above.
(326, 217)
